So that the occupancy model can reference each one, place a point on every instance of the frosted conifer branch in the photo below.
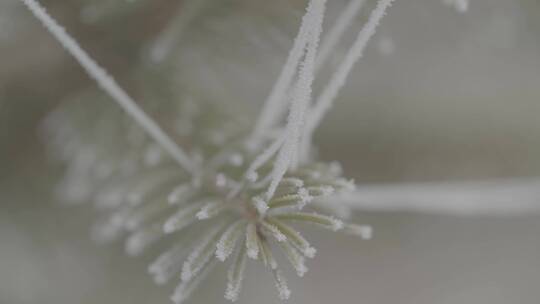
(110, 86)
(480, 198)
(151, 201)
(329, 94)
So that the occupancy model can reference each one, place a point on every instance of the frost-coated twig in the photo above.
(343, 22)
(475, 198)
(275, 104)
(300, 100)
(110, 86)
(329, 94)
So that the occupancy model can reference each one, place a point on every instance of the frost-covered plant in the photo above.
(207, 187)
(247, 189)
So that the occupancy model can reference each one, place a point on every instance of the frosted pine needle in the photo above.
(235, 276)
(201, 254)
(266, 255)
(295, 258)
(274, 231)
(325, 221)
(294, 237)
(252, 242)
(227, 242)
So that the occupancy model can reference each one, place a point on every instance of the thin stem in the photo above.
(301, 99)
(474, 198)
(330, 92)
(109, 85)
(275, 104)
(343, 22)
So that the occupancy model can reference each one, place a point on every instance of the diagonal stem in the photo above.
(110, 86)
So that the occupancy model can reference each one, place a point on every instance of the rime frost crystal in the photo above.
(252, 242)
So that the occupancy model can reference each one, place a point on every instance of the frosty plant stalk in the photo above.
(109, 85)
(228, 195)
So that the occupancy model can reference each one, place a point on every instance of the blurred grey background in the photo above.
(440, 95)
